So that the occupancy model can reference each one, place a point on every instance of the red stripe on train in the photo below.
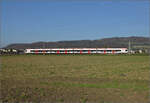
(57, 51)
(36, 51)
(65, 51)
(113, 51)
(104, 51)
(80, 51)
(44, 51)
(89, 51)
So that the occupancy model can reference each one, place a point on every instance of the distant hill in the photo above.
(102, 43)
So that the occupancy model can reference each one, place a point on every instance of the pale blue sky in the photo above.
(32, 21)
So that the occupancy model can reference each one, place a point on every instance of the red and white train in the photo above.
(77, 51)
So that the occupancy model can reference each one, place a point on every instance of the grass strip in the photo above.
(117, 85)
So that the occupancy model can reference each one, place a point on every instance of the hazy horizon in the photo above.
(71, 40)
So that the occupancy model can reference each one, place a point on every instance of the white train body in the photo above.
(77, 51)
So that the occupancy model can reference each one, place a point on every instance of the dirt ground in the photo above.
(66, 82)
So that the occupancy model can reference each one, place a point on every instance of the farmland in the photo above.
(75, 78)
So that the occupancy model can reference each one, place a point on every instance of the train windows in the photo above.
(109, 51)
(85, 51)
(47, 51)
(62, 51)
(93, 50)
(118, 50)
(70, 51)
(100, 50)
(40, 51)
(76, 51)
(53, 51)
(32, 50)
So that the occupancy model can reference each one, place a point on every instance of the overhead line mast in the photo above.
(129, 47)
